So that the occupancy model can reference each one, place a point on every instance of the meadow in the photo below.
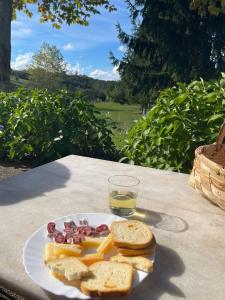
(122, 117)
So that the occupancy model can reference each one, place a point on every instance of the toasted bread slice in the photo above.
(70, 267)
(108, 279)
(75, 282)
(138, 262)
(131, 234)
(136, 252)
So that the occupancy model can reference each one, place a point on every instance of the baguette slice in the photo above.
(137, 262)
(108, 279)
(131, 234)
(70, 267)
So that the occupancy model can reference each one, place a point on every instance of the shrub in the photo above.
(184, 117)
(46, 126)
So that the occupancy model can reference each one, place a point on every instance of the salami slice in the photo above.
(51, 227)
(75, 239)
(102, 228)
(56, 232)
(70, 224)
(73, 234)
(59, 238)
(86, 230)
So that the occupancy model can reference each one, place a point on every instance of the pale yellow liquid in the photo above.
(122, 203)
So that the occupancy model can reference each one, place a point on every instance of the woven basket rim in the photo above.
(198, 153)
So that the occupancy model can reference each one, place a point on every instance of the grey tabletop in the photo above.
(190, 231)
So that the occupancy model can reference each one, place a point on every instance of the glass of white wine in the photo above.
(123, 190)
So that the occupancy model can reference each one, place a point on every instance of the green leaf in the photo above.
(215, 117)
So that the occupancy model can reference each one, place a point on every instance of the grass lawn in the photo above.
(122, 115)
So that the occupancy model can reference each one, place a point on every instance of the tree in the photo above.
(5, 36)
(55, 11)
(172, 42)
(48, 68)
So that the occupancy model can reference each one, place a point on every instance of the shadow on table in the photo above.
(33, 183)
(168, 264)
(160, 220)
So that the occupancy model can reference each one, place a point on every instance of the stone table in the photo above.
(190, 231)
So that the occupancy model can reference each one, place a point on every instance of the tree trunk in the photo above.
(5, 42)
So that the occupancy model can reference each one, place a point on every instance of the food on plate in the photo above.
(138, 262)
(55, 250)
(68, 261)
(135, 252)
(90, 241)
(106, 245)
(150, 250)
(131, 234)
(108, 279)
(75, 282)
(70, 267)
(91, 258)
(73, 234)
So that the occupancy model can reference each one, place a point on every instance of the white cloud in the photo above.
(68, 46)
(122, 48)
(20, 30)
(74, 69)
(22, 61)
(105, 75)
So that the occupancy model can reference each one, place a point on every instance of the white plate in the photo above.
(33, 255)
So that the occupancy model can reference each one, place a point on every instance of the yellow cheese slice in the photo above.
(92, 241)
(106, 245)
(56, 250)
(89, 259)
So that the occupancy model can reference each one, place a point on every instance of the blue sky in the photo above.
(85, 49)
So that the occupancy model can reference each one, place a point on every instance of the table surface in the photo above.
(190, 231)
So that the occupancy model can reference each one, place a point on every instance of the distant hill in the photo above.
(94, 89)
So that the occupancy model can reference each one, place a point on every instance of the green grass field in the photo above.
(122, 116)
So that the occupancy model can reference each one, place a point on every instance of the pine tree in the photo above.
(171, 41)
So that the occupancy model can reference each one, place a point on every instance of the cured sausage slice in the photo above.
(59, 238)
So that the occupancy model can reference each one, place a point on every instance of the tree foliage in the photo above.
(43, 126)
(48, 68)
(184, 117)
(214, 7)
(55, 11)
(170, 42)
(59, 11)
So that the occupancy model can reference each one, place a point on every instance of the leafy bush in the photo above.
(46, 126)
(184, 117)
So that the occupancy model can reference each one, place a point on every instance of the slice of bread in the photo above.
(136, 252)
(75, 282)
(150, 250)
(131, 234)
(70, 267)
(108, 279)
(138, 262)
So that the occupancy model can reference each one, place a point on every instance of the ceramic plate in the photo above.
(33, 255)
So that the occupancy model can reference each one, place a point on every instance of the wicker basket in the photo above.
(208, 173)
